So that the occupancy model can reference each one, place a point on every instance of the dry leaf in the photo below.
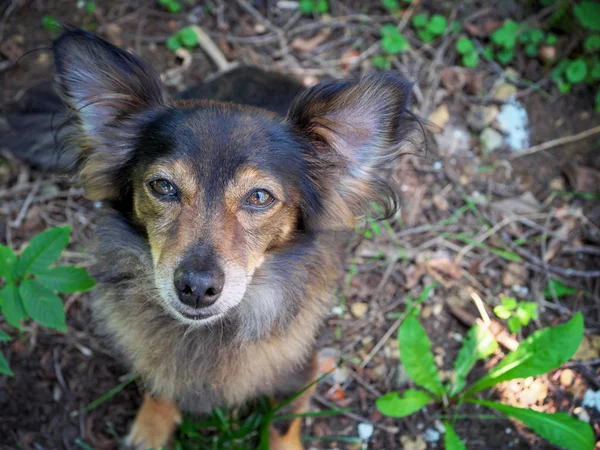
(306, 45)
(440, 116)
(524, 204)
(589, 348)
(413, 276)
(407, 443)
(453, 78)
(442, 269)
(359, 309)
(515, 275)
(350, 58)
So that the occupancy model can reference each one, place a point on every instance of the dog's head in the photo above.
(216, 187)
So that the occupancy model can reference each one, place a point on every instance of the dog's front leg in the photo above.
(154, 424)
(286, 434)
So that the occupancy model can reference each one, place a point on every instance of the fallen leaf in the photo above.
(440, 116)
(453, 78)
(350, 58)
(359, 309)
(474, 82)
(306, 45)
(583, 179)
(407, 443)
(524, 204)
(440, 202)
(413, 275)
(588, 349)
(442, 269)
(484, 29)
(515, 275)
(505, 91)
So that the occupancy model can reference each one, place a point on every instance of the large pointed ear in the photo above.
(357, 130)
(108, 91)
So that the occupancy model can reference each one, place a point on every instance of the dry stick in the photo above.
(381, 343)
(211, 49)
(26, 204)
(353, 416)
(556, 142)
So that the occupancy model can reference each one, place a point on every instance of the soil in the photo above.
(57, 375)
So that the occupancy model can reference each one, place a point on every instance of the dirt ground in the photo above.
(525, 200)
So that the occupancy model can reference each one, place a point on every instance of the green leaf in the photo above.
(479, 344)
(451, 439)
(505, 55)
(322, 6)
(576, 71)
(392, 41)
(592, 43)
(188, 37)
(560, 289)
(564, 87)
(544, 350)
(50, 24)
(3, 336)
(4, 368)
(8, 264)
(525, 312)
(514, 325)
(437, 25)
(381, 62)
(416, 356)
(67, 279)
(588, 14)
(307, 6)
(551, 39)
(392, 405)
(90, 7)
(44, 249)
(425, 35)
(12, 306)
(420, 20)
(559, 428)
(173, 6)
(506, 307)
(531, 50)
(390, 5)
(43, 305)
(464, 45)
(173, 43)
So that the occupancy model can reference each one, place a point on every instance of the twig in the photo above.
(26, 204)
(381, 343)
(208, 45)
(328, 404)
(556, 142)
(480, 307)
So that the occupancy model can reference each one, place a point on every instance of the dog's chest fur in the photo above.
(252, 353)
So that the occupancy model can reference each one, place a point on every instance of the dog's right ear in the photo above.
(108, 89)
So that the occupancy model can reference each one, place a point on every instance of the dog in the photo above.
(225, 219)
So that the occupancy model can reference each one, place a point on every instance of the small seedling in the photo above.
(50, 24)
(557, 289)
(466, 48)
(428, 29)
(505, 39)
(393, 6)
(186, 37)
(313, 6)
(535, 356)
(172, 6)
(392, 42)
(517, 314)
(30, 284)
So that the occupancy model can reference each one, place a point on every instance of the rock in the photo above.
(440, 116)
(365, 431)
(491, 140)
(454, 140)
(547, 54)
(566, 377)
(359, 309)
(431, 435)
(505, 91)
(480, 117)
(513, 121)
(557, 184)
(440, 202)
(582, 414)
(591, 399)
(515, 275)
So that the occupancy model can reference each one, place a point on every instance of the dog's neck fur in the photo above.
(216, 364)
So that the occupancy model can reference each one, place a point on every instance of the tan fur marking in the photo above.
(154, 424)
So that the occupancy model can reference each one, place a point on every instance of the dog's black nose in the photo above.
(198, 289)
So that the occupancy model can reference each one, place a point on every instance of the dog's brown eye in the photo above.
(260, 199)
(163, 187)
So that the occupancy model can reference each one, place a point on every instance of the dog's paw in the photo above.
(154, 424)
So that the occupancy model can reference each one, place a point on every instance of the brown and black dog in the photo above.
(225, 220)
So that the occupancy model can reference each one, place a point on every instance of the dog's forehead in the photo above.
(215, 140)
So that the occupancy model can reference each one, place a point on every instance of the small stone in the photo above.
(557, 184)
(515, 275)
(407, 443)
(359, 309)
(491, 140)
(402, 378)
(440, 116)
(440, 202)
(505, 91)
(365, 431)
(480, 117)
(431, 435)
(582, 414)
(566, 377)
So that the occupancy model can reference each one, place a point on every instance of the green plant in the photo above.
(50, 24)
(30, 284)
(538, 354)
(505, 38)
(314, 6)
(468, 52)
(90, 7)
(172, 6)
(517, 314)
(392, 42)
(186, 37)
(429, 28)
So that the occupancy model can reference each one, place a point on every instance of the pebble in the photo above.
(566, 377)
(491, 140)
(359, 309)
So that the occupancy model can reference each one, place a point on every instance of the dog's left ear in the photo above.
(356, 129)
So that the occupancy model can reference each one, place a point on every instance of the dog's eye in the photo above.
(163, 187)
(260, 199)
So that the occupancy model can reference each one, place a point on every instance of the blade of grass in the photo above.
(329, 412)
(114, 391)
